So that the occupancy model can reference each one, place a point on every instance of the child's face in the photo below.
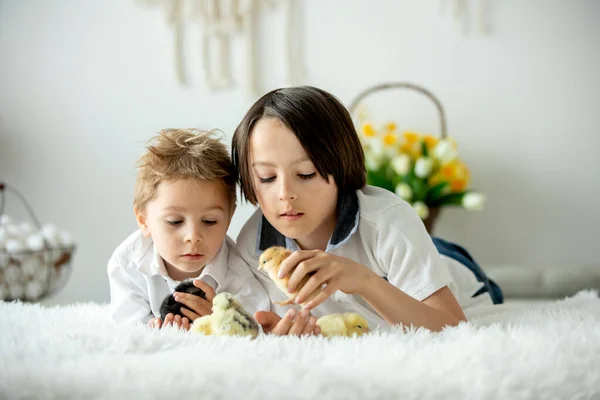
(188, 221)
(294, 198)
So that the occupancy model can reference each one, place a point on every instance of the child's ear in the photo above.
(141, 221)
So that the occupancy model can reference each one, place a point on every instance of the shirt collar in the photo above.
(150, 263)
(347, 218)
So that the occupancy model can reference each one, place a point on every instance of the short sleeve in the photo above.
(404, 249)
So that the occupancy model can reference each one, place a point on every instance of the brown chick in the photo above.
(270, 261)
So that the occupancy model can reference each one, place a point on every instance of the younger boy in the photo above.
(184, 200)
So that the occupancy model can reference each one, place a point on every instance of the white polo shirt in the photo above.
(139, 281)
(381, 231)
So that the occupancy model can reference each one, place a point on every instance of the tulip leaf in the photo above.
(436, 192)
(450, 199)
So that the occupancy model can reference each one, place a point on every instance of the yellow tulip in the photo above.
(410, 137)
(458, 185)
(368, 130)
(389, 139)
(390, 127)
(430, 141)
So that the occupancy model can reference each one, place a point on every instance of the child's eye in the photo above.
(307, 176)
(174, 223)
(266, 180)
(209, 223)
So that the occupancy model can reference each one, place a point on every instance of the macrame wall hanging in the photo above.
(470, 16)
(221, 22)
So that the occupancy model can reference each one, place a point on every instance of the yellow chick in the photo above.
(346, 324)
(227, 319)
(270, 261)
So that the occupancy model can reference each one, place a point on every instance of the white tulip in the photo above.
(444, 151)
(401, 164)
(473, 201)
(421, 209)
(374, 161)
(404, 191)
(423, 167)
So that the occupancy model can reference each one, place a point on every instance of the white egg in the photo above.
(5, 219)
(33, 290)
(13, 230)
(4, 235)
(35, 242)
(31, 265)
(42, 274)
(12, 274)
(15, 246)
(16, 291)
(49, 231)
(65, 238)
(26, 228)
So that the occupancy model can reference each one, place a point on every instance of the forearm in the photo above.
(397, 307)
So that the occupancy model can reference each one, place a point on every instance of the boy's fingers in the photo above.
(185, 323)
(177, 321)
(292, 261)
(195, 303)
(299, 324)
(314, 283)
(310, 326)
(208, 290)
(168, 320)
(192, 316)
(323, 295)
(267, 319)
(283, 326)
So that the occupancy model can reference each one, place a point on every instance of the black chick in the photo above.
(169, 305)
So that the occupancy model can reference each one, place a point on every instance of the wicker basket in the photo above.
(30, 275)
(433, 212)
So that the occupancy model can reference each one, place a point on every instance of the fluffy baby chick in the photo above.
(346, 324)
(270, 261)
(227, 319)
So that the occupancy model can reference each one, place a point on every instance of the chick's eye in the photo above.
(359, 326)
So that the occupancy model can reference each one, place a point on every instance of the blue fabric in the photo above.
(461, 255)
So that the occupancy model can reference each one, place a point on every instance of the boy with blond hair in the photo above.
(185, 197)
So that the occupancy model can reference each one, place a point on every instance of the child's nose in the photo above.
(287, 191)
(194, 235)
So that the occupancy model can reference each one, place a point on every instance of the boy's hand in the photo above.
(170, 319)
(293, 323)
(198, 307)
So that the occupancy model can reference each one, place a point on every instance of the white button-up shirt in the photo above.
(139, 281)
(382, 232)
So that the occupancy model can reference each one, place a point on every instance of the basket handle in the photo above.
(4, 188)
(403, 85)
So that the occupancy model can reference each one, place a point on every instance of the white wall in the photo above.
(84, 83)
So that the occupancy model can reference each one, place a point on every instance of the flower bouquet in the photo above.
(424, 170)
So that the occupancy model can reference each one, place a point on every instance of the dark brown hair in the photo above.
(323, 127)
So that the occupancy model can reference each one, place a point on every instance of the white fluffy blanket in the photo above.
(546, 351)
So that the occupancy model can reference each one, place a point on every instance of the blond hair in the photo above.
(182, 154)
